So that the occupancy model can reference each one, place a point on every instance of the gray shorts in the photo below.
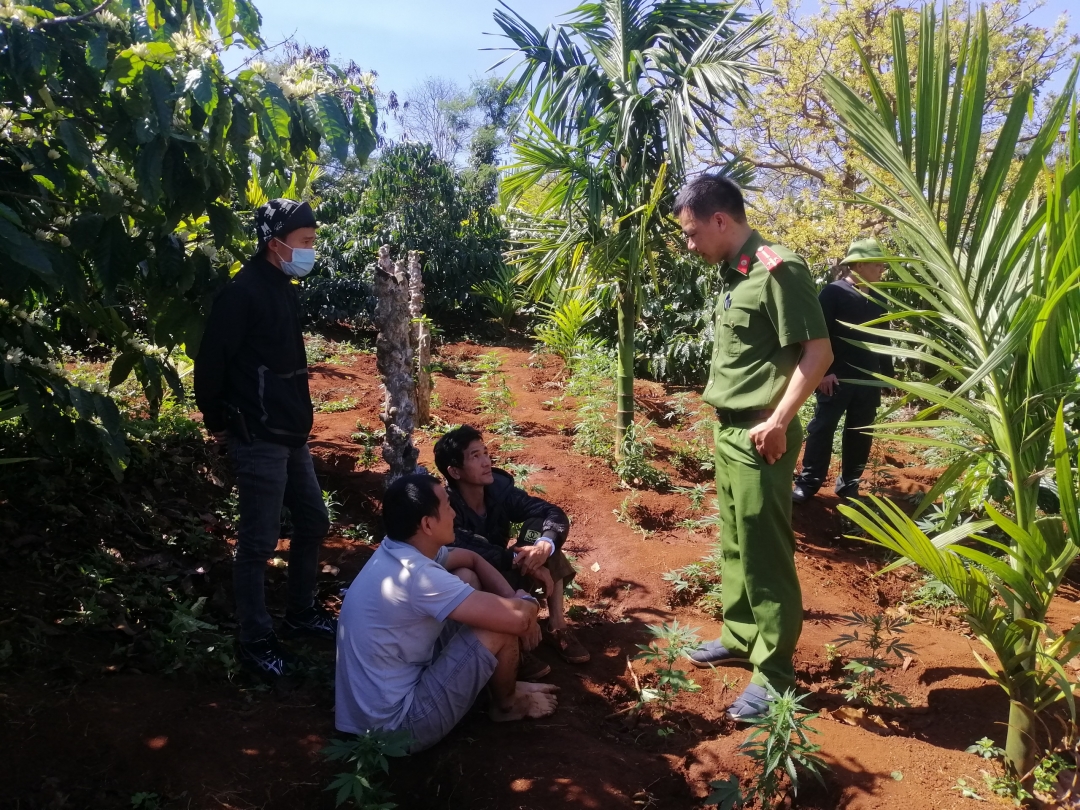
(448, 688)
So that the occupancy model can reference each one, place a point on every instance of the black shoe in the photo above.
(713, 653)
(848, 490)
(266, 657)
(532, 668)
(801, 493)
(314, 622)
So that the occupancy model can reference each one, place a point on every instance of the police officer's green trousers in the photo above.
(762, 600)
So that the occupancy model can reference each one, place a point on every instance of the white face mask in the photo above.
(303, 260)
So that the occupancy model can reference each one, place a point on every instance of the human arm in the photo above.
(490, 578)
(827, 299)
(514, 615)
(500, 558)
(221, 340)
(770, 437)
(520, 507)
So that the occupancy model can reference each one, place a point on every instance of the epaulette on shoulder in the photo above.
(769, 257)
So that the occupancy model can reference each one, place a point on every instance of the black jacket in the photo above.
(840, 301)
(506, 504)
(252, 357)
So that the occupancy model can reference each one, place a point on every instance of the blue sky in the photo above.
(408, 40)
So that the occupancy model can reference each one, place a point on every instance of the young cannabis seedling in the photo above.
(634, 467)
(331, 504)
(671, 643)
(699, 583)
(365, 757)
(880, 638)
(697, 494)
(726, 794)
(780, 746)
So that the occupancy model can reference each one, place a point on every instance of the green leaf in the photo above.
(21, 248)
(126, 68)
(75, 142)
(276, 110)
(200, 83)
(148, 166)
(97, 51)
(365, 123)
(159, 90)
(726, 793)
(121, 367)
(333, 123)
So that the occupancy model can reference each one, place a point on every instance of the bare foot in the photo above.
(532, 700)
(526, 686)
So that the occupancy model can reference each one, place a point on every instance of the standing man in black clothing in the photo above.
(848, 300)
(251, 385)
(486, 503)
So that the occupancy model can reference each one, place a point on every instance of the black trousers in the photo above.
(860, 403)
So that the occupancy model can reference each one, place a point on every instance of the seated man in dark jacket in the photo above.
(486, 503)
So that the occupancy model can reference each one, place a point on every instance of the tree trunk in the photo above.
(421, 340)
(394, 358)
(1020, 743)
(624, 391)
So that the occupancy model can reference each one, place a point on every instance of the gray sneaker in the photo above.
(750, 705)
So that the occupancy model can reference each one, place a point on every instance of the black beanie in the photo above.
(280, 217)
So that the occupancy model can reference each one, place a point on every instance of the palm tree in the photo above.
(992, 261)
(615, 96)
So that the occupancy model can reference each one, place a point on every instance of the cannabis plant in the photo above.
(779, 744)
(671, 642)
(365, 755)
(880, 637)
(633, 466)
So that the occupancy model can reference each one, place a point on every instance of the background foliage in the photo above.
(126, 153)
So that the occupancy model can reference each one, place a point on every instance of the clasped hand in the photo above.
(532, 637)
(770, 440)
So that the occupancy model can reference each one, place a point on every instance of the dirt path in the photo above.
(217, 746)
(583, 755)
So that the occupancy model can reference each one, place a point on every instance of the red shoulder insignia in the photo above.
(744, 264)
(767, 256)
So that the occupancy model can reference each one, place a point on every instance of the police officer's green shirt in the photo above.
(768, 306)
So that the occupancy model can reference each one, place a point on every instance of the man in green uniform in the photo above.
(771, 351)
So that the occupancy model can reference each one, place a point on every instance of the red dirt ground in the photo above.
(213, 745)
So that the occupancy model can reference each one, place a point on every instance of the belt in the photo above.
(726, 417)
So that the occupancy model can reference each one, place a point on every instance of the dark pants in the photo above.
(860, 403)
(269, 476)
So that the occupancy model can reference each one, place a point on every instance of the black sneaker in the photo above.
(801, 493)
(848, 491)
(314, 622)
(532, 668)
(266, 657)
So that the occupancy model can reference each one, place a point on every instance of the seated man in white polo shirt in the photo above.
(423, 629)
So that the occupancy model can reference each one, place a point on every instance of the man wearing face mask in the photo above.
(251, 384)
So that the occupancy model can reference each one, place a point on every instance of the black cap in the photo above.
(280, 217)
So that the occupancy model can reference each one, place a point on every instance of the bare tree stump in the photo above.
(395, 360)
(421, 340)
